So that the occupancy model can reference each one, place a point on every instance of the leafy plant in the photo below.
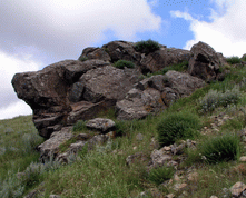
(160, 174)
(142, 77)
(176, 126)
(83, 58)
(219, 149)
(79, 126)
(233, 60)
(121, 64)
(147, 46)
(215, 98)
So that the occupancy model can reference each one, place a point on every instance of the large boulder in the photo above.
(154, 94)
(162, 58)
(95, 53)
(46, 92)
(205, 62)
(99, 89)
(124, 50)
(69, 90)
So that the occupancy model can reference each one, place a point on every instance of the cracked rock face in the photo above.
(71, 90)
(205, 62)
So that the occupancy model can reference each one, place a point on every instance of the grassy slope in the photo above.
(105, 174)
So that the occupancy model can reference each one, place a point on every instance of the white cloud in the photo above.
(225, 33)
(10, 105)
(15, 109)
(63, 28)
(154, 3)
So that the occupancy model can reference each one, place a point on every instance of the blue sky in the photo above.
(36, 33)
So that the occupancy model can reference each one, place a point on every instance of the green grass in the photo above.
(103, 172)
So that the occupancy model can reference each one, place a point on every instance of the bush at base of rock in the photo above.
(177, 126)
(121, 64)
(219, 149)
(147, 46)
(79, 126)
(161, 174)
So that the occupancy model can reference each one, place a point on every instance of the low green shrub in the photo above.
(176, 126)
(219, 149)
(79, 126)
(121, 64)
(147, 46)
(121, 128)
(233, 60)
(83, 58)
(160, 174)
(215, 99)
(142, 77)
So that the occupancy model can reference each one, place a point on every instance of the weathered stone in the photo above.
(122, 50)
(183, 82)
(162, 58)
(146, 98)
(46, 91)
(51, 146)
(238, 189)
(108, 82)
(85, 110)
(138, 104)
(101, 124)
(95, 53)
(205, 62)
(169, 96)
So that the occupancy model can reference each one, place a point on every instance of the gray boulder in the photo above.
(124, 50)
(205, 62)
(95, 53)
(162, 58)
(155, 94)
(101, 124)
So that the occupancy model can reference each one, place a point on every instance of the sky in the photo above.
(36, 33)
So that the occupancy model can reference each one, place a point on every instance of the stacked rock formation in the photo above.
(72, 90)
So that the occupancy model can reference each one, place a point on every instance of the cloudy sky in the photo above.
(36, 33)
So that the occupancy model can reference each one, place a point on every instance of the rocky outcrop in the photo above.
(205, 62)
(95, 53)
(162, 58)
(71, 90)
(66, 91)
(156, 93)
(124, 50)
(100, 88)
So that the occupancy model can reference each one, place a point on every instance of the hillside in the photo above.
(104, 171)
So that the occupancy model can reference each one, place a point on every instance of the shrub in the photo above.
(121, 128)
(233, 60)
(160, 174)
(219, 149)
(142, 77)
(214, 99)
(147, 46)
(83, 58)
(177, 126)
(121, 64)
(79, 126)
